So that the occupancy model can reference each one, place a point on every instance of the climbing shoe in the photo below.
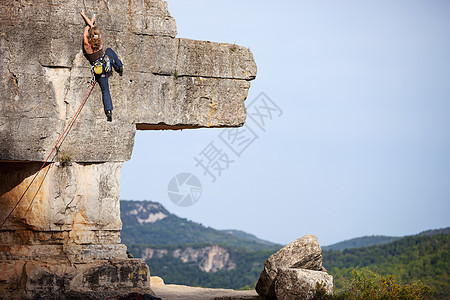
(109, 116)
(120, 70)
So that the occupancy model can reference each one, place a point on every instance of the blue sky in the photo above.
(362, 145)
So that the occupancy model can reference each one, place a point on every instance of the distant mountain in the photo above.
(147, 222)
(186, 252)
(250, 237)
(367, 241)
(436, 231)
(204, 265)
(359, 242)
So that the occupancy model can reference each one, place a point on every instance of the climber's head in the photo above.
(94, 38)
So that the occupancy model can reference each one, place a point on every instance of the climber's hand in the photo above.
(88, 22)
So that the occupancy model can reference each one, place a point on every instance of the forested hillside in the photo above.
(420, 257)
(185, 252)
(367, 241)
(147, 222)
(242, 271)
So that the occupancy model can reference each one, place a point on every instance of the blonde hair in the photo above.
(94, 38)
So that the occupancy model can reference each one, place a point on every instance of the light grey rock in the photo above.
(208, 259)
(60, 279)
(203, 58)
(189, 102)
(70, 252)
(302, 253)
(300, 284)
(46, 77)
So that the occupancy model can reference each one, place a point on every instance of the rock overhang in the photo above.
(168, 83)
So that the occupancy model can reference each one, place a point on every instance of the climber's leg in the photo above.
(107, 101)
(115, 61)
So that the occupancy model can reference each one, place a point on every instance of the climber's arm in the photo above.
(90, 22)
(86, 44)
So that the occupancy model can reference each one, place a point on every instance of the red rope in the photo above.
(56, 146)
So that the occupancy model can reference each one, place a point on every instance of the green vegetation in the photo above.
(171, 233)
(250, 237)
(65, 158)
(173, 230)
(367, 241)
(249, 265)
(415, 262)
(365, 284)
(412, 258)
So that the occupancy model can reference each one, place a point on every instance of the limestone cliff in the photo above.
(65, 231)
(208, 259)
(45, 78)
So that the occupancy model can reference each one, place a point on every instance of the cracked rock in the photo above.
(293, 261)
(62, 238)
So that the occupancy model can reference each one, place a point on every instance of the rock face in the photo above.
(149, 213)
(59, 279)
(66, 227)
(208, 259)
(294, 283)
(45, 78)
(292, 272)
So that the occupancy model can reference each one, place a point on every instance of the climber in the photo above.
(101, 61)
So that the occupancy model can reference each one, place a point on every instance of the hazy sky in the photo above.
(360, 144)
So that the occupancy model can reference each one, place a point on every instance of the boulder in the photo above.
(293, 283)
(303, 253)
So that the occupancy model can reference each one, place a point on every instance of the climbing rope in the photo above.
(48, 157)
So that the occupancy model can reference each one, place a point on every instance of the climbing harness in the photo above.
(57, 145)
(107, 64)
(102, 65)
(97, 67)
